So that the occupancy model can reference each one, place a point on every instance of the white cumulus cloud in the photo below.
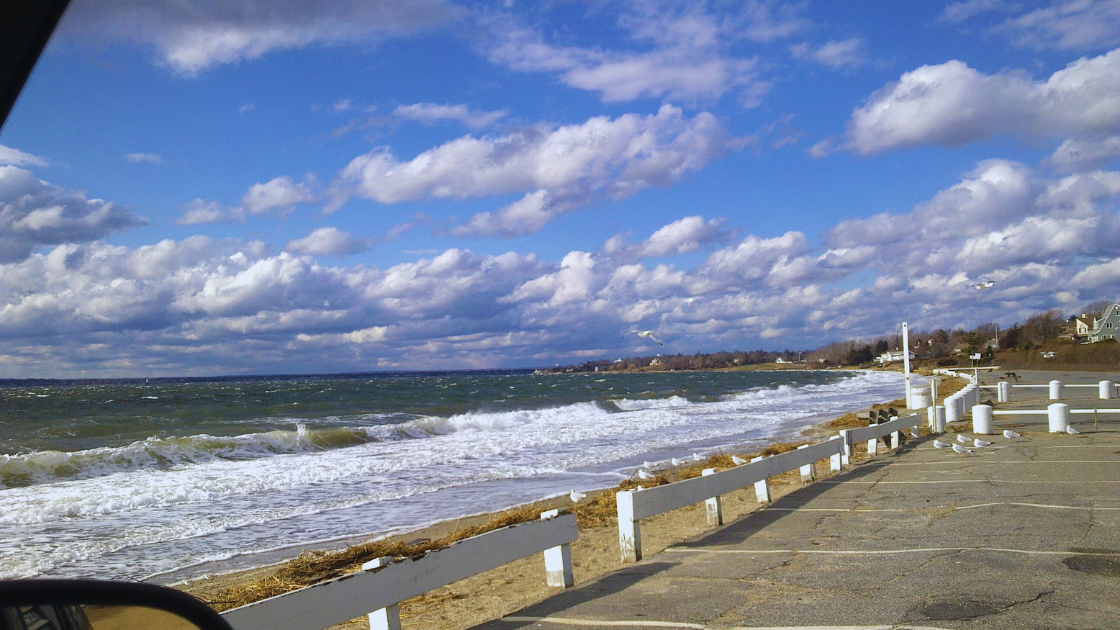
(953, 104)
(838, 54)
(429, 113)
(280, 194)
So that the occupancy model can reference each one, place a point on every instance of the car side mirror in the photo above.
(101, 605)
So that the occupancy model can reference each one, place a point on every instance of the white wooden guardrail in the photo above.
(635, 505)
(849, 437)
(382, 586)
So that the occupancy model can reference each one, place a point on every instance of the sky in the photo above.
(285, 186)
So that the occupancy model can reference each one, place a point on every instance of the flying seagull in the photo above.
(739, 461)
(983, 284)
(576, 497)
(960, 449)
(645, 333)
(1011, 435)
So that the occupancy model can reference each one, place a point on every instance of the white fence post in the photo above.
(835, 461)
(873, 446)
(808, 471)
(982, 419)
(1058, 417)
(388, 618)
(713, 506)
(558, 560)
(846, 456)
(1104, 390)
(1055, 390)
(1003, 392)
(896, 439)
(761, 488)
(629, 531)
(939, 419)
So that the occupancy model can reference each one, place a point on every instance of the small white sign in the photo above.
(975, 357)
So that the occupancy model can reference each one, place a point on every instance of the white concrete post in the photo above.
(952, 410)
(388, 618)
(919, 399)
(896, 439)
(1105, 390)
(761, 488)
(1055, 390)
(931, 418)
(939, 417)
(558, 560)
(1003, 392)
(1058, 415)
(933, 391)
(982, 419)
(873, 446)
(835, 461)
(629, 532)
(846, 456)
(808, 471)
(713, 506)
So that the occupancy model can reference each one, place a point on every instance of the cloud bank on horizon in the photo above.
(463, 185)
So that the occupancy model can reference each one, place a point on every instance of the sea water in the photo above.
(170, 479)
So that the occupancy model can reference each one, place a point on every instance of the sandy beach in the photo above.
(509, 588)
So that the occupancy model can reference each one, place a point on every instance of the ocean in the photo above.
(171, 479)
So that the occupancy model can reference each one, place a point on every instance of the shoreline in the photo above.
(514, 586)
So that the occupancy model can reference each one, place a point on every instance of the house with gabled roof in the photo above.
(1106, 326)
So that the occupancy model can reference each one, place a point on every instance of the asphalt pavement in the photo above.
(1024, 533)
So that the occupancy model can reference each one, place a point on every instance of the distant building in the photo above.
(1106, 326)
(1082, 324)
(892, 356)
(781, 360)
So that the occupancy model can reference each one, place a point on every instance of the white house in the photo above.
(1106, 326)
(893, 355)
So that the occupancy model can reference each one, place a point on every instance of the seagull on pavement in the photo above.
(978, 443)
(646, 333)
(576, 497)
(1072, 431)
(940, 444)
(1011, 435)
(962, 439)
(644, 475)
(957, 448)
(739, 461)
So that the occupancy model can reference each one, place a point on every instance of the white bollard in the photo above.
(808, 471)
(762, 487)
(1106, 389)
(713, 506)
(896, 440)
(1055, 390)
(835, 461)
(1003, 392)
(558, 560)
(952, 409)
(931, 418)
(846, 456)
(1058, 414)
(982, 419)
(939, 417)
(629, 531)
(388, 618)
(919, 399)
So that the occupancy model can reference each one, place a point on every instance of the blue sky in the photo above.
(250, 187)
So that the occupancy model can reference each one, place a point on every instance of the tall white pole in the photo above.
(906, 359)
